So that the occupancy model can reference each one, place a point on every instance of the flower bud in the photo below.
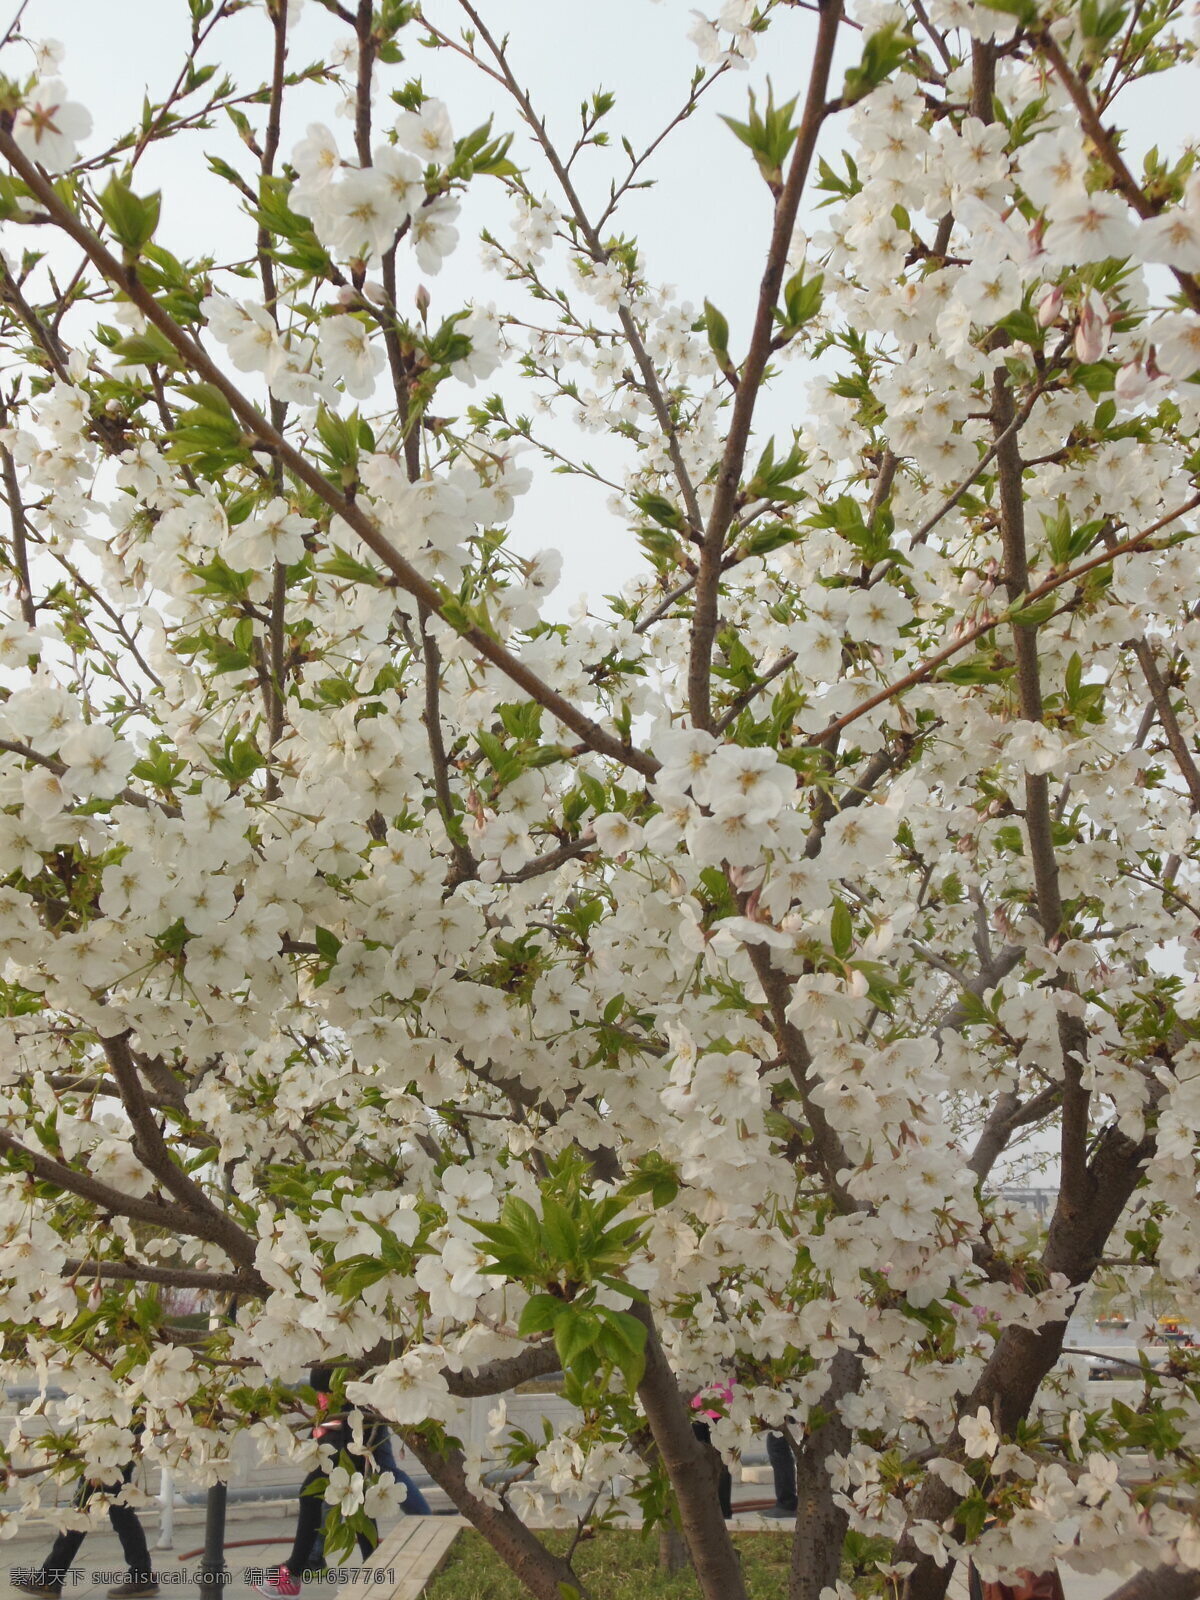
(1049, 307)
(1091, 335)
(1131, 382)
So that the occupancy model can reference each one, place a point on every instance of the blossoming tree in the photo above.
(459, 994)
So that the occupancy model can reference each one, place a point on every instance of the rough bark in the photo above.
(1160, 1583)
(545, 1576)
(693, 1473)
(1009, 1383)
(672, 1551)
(820, 1523)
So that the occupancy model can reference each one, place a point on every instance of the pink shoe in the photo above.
(279, 1587)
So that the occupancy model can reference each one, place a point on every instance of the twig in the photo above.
(16, 513)
(940, 657)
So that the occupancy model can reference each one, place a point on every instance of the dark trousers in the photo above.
(415, 1505)
(125, 1524)
(308, 1521)
(783, 1466)
(724, 1478)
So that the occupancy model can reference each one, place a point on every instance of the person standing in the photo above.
(722, 1392)
(46, 1583)
(413, 1505)
(335, 1431)
(783, 1469)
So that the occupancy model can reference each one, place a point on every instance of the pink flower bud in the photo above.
(1131, 382)
(1091, 335)
(1049, 307)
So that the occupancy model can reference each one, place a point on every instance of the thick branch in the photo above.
(1162, 1583)
(114, 1202)
(1039, 823)
(939, 658)
(1008, 1115)
(545, 1576)
(174, 1277)
(497, 1377)
(465, 865)
(1161, 696)
(152, 1151)
(829, 1151)
(692, 1469)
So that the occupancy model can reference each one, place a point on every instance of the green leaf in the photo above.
(343, 565)
(146, 349)
(841, 930)
(1033, 613)
(883, 53)
(657, 507)
(771, 536)
(131, 219)
(768, 135)
(717, 329)
(574, 1332)
(802, 298)
(539, 1314)
(561, 1234)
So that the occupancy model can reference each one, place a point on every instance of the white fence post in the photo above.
(166, 1510)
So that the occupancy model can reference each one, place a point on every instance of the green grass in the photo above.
(616, 1564)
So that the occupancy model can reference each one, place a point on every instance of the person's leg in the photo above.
(415, 1503)
(783, 1469)
(315, 1561)
(66, 1546)
(133, 1540)
(363, 1464)
(53, 1571)
(724, 1477)
(308, 1520)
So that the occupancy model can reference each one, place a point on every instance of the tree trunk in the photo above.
(1009, 1383)
(1160, 1583)
(690, 1467)
(672, 1552)
(545, 1576)
(820, 1523)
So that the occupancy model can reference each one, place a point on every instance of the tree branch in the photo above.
(1106, 148)
(152, 1151)
(246, 1283)
(708, 579)
(16, 513)
(931, 663)
(594, 736)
